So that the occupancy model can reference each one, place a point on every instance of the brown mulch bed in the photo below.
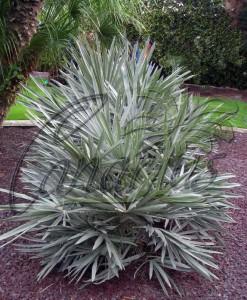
(18, 271)
(217, 92)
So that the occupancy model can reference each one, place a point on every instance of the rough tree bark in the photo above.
(21, 22)
(233, 7)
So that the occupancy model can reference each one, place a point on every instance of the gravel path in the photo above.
(17, 271)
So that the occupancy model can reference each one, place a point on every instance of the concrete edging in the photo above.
(20, 123)
(28, 123)
(235, 129)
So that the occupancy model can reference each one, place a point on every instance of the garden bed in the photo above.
(18, 272)
(217, 92)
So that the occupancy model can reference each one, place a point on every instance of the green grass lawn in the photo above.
(237, 108)
(18, 111)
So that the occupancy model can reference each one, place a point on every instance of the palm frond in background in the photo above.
(60, 21)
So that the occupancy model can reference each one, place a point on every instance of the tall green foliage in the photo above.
(59, 22)
(118, 173)
(7, 41)
(198, 35)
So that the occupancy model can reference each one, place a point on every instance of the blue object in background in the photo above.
(138, 54)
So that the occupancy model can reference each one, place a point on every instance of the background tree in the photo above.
(18, 23)
(234, 8)
(41, 33)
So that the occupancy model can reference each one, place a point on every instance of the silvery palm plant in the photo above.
(118, 173)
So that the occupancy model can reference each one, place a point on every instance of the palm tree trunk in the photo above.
(21, 23)
(233, 7)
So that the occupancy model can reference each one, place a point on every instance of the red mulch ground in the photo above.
(17, 271)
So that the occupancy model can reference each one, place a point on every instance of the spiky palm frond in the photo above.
(60, 21)
(122, 11)
(118, 173)
(108, 19)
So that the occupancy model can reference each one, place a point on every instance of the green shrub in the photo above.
(198, 35)
(242, 18)
(118, 173)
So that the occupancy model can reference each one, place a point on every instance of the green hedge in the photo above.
(198, 34)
